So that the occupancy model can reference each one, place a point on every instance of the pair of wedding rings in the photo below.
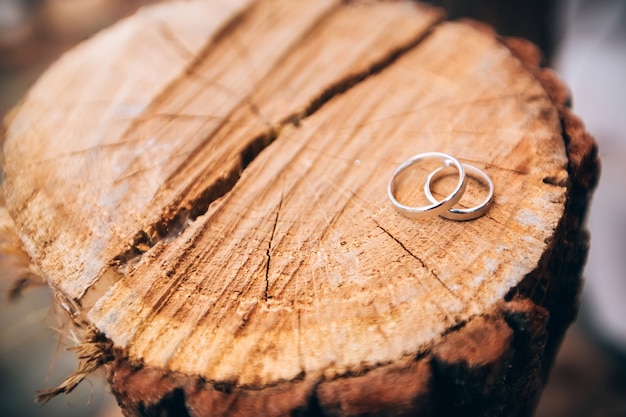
(443, 208)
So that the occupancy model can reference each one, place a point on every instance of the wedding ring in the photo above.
(438, 207)
(461, 214)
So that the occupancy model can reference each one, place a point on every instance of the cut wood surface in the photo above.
(204, 187)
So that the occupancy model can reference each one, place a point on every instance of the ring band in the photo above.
(462, 214)
(438, 207)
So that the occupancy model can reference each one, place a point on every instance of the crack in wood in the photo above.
(172, 224)
(417, 258)
(401, 245)
(269, 250)
(347, 83)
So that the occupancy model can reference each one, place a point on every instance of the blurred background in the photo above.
(584, 40)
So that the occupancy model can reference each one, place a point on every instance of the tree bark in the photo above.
(204, 187)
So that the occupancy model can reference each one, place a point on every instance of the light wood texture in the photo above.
(204, 186)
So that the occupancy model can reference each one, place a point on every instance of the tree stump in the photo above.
(204, 188)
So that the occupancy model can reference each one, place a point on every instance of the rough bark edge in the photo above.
(560, 270)
(428, 382)
(496, 356)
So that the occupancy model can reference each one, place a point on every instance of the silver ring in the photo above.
(462, 214)
(438, 207)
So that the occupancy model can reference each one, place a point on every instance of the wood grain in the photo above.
(212, 199)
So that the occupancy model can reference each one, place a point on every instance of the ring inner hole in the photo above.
(475, 193)
(409, 184)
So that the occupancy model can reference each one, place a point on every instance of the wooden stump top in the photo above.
(205, 185)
